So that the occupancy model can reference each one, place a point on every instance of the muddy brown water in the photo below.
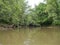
(30, 36)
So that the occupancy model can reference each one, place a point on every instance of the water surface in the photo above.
(31, 36)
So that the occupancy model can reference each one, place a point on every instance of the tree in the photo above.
(53, 10)
(41, 13)
(12, 11)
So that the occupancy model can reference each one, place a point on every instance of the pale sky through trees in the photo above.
(32, 3)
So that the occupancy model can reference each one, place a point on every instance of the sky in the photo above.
(32, 3)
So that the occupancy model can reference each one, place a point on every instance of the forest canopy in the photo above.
(18, 13)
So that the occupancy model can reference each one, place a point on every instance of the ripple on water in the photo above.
(27, 42)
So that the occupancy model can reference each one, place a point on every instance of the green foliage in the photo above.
(41, 13)
(11, 11)
(40, 9)
(53, 10)
(18, 13)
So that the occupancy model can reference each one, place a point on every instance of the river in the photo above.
(30, 36)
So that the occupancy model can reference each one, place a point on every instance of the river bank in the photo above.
(8, 27)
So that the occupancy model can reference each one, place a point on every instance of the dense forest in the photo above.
(18, 13)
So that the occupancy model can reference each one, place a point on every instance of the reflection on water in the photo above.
(27, 42)
(31, 36)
